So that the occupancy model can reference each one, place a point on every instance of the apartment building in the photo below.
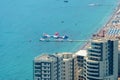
(101, 62)
(59, 66)
(78, 64)
(47, 67)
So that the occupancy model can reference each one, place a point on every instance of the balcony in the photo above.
(45, 68)
(94, 54)
(91, 62)
(94, 51)
(92, 75)
(92, 66)
(93, 69)
(96, 44)
(43, 64)
(45, 72)
(94, 58)
(92, 72)
(37, 67)
(37, 71)
(93, 78)
(37, 75)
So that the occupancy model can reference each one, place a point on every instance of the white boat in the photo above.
(94, 4)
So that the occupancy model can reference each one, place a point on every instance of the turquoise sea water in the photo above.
(22, 23)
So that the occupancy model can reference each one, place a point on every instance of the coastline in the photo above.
(105, 26)
(20, 33)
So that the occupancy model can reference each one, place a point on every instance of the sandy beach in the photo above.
(113, 23)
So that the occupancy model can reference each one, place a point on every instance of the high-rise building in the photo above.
(78, 64)
(101, 62)
(58, 66)
(67, 66)
(47, 67)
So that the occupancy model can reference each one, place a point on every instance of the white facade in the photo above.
(101, 62)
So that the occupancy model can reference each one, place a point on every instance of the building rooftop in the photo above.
(65, 55)
(46, 57)
(81, 53)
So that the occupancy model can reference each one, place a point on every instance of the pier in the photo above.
(66, 41)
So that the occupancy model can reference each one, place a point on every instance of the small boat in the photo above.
(66, 1)
(92, 4)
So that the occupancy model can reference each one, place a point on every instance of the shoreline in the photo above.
(104, 27)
